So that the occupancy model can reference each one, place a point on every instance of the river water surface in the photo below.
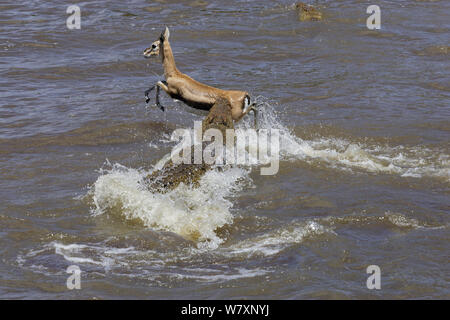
(364, 118)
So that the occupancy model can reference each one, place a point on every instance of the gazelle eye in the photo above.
(153, 46)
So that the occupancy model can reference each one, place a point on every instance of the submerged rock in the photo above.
(307, 12)
(171, 175)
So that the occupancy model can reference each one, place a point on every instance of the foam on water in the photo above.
(106, 256)
(199, 264)
(273, 242)
(70, 251)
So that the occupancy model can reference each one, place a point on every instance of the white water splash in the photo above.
(341, 154)
(194, 213)
(197, 213)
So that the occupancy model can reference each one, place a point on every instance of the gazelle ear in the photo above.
(166, 34)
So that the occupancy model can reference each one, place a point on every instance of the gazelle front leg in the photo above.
(147, 99)
(163, 85)
(147, 92)
(157, 99)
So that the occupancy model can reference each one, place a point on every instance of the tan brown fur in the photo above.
(195, 94)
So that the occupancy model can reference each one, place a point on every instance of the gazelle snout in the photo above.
(147, 52)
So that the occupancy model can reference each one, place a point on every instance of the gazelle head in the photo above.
(154, 49)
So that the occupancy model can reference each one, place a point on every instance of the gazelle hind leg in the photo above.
(255, 116)
(248, 106)
(247, 109)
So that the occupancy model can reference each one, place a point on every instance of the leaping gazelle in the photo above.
(195, 94)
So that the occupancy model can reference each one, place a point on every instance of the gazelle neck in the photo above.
(168, 60)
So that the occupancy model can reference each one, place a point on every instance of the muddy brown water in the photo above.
(364, 171)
